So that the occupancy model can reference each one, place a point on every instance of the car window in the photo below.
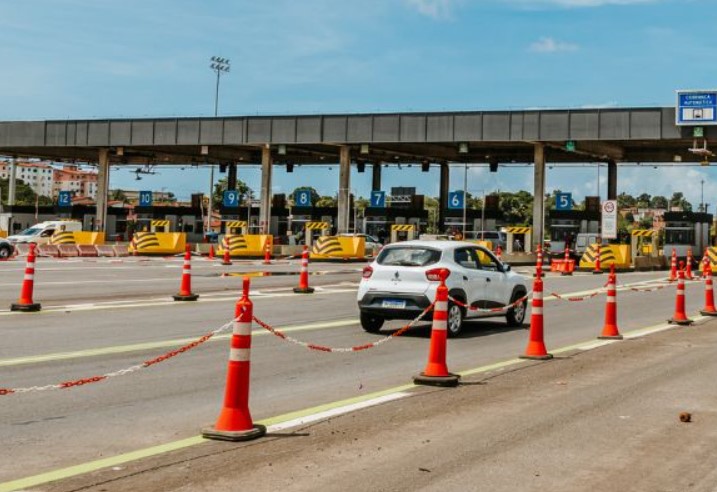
(466, 258)
(408, 256)
(487, 260)
(47, 233)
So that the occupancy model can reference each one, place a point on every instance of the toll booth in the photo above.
(518, 239)
(187, 220)
(300, 216)
(402, 232)
(565, 225)
(643, 242)
(404, 207)
(235, 227)
(687, 230)
(476, 219)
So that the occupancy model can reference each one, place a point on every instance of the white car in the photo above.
(403, 280)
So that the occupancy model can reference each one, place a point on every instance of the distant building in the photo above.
(37, 175)
(47, 179)
(75, 180)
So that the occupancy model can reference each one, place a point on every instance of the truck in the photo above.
(42, 232)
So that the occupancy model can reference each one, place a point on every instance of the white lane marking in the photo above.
(336, 411)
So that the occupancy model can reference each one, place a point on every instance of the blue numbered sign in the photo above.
(302, 198)
(64, 199)
(231, 199)
(145, 198)
(564, 201)
(455, 200)
(378, 199)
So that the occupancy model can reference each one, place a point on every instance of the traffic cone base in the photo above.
(597, 272)
(256, 431)
(681, 322)
(190, 297)
(708, 313)
(450, 380)
(26, 308)
(537, 357)
(610, 337)
(303, 290)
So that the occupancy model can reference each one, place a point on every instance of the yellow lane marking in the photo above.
(92, 466)
(138, 347)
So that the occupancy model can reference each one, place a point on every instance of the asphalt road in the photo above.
(101, 316)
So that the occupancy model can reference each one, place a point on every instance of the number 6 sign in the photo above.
(455, 200)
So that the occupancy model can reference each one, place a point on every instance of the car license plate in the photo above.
(393, 304)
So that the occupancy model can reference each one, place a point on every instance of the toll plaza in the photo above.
(645, 251)
(402, 207)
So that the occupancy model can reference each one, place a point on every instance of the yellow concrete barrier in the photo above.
(244, 244)
(712, 255)
(3, 233)
(339, 247)
(158, 243)
(610, 254)
(77, 237)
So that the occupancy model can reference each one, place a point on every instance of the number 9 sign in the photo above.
(231, 198)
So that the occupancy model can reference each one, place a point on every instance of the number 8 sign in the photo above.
(303, 198)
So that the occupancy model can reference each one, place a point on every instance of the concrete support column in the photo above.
(611, 180)
(376, 177)
(443, 197)
(103, 184)
(344, 212)
(538, 196)
(13, 182)
(265, 208)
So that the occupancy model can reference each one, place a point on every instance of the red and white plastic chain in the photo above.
(358, 348)
(121, 372)
(578, 298)
(501, 309)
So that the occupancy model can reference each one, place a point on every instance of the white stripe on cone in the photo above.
(239, 355)
(242, 328)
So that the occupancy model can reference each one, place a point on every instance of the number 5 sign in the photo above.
(455, 200)
(564, 201)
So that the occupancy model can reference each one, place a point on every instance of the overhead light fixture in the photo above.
(120, 150)
(463, 148)
(677, 158)
(282, 149)
(204, 150)
(364, 149)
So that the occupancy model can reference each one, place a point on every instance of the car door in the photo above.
(474, 283)
(496, 283)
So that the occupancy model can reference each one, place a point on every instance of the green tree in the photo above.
(23, 194)
(629, 217)
(679, 200)
(517, 208)
(431, 205)
(643, 201)
(658, 201)
(326, 201)
(221, 186)
(625, 201)
(645, 223)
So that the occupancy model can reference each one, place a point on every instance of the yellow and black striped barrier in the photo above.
(63, 237)
(156, 225)
(403, 228)
(518, 230)
(339, 248)
(158, 243)
(317, 226)
(643, 232)
(712, 256)
(610, 254)
(252, 245)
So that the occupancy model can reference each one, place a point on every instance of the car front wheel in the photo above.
(516, 315)
(5, 252)
(371, 323)
(455, 320)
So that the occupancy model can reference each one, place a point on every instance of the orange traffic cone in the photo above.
(25, 302)
(706, 265)
(303, 287)
(234, 422)
(211, 252)
(536, 346)
(673, 266)
(598, 269)
(539, 261)
(610, 330)
(227, 260)
(566, 270)
(185, 290)
(688, 271)
(267, 251)
(709, 309)
(680, 317)
(436, 371)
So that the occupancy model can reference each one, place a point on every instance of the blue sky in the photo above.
(102, 58)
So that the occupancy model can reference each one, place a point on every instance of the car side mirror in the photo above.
(506, 267)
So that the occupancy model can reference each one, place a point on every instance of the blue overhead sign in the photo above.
(696, 108)
(564, 201)
(145, 198)
(302, 198)
(64, 199)
(456, 200)
(378, 199)
(231, 199)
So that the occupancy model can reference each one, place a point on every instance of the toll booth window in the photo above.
(679, 236)
(399, 256)
(466, 258)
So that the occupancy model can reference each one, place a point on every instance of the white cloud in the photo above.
(437, 9)
(550, 45)
(579, 3)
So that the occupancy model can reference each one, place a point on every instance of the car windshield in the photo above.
(32, 231)
(404, 256)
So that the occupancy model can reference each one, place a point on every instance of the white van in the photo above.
(42, 232)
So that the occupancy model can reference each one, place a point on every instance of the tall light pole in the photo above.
(219, 65)
(702, 197)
